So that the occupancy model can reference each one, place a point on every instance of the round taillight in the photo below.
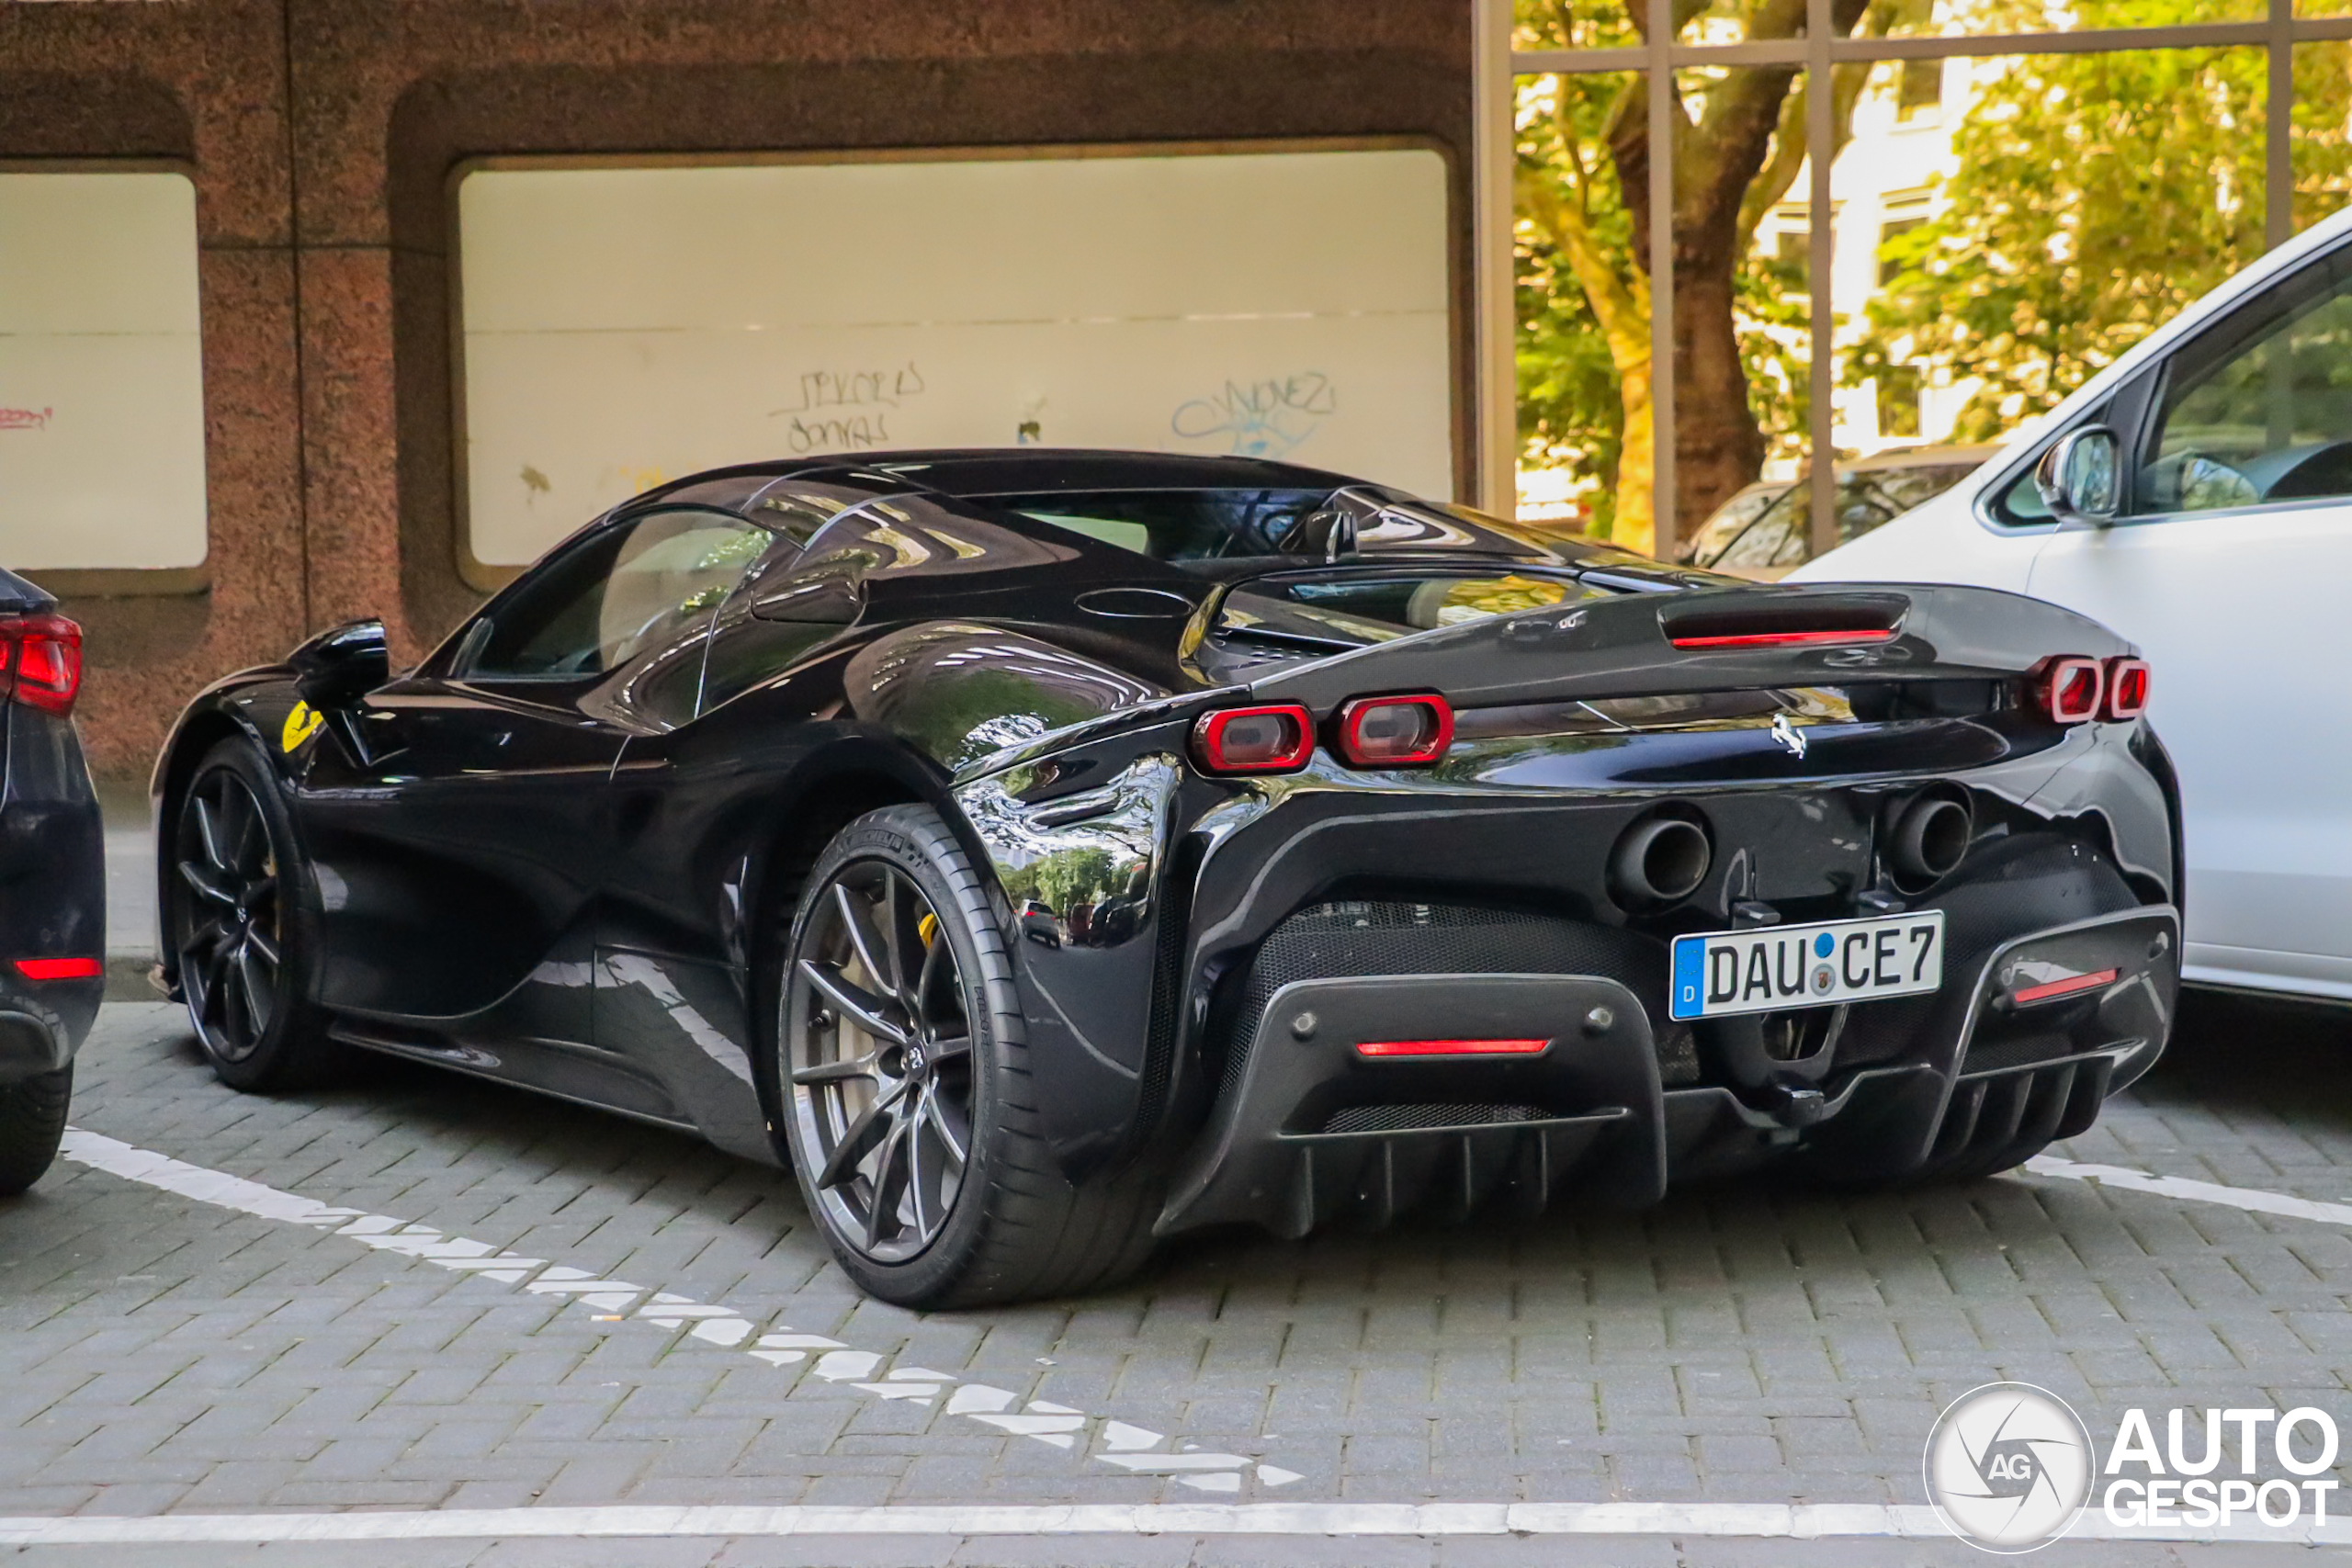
(1277, 738)
(2071, 688)
(1395, 732)
(2127, 689)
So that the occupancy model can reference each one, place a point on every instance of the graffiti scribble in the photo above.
(854, 390)
(853, 432)
(25, 419)
(1265, 418)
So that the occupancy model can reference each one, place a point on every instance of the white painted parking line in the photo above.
(1427, 1520)
(1126, 1447)
(2251, 1199)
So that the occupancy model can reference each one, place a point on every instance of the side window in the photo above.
(634, 587)
(2265, 414)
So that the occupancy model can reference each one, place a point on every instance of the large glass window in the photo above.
(101, 377)
(1290, 304)
(1955, 234)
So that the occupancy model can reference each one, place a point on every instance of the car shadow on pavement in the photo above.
(2232, 1059)
(2233, 1054)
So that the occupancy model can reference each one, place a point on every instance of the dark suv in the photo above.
(53, 880)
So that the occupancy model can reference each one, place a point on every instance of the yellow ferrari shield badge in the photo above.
(300, 725)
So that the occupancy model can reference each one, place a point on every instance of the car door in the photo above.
(2227, 568)
(458, 857)
(693, 804)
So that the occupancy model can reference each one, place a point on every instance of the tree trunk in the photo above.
(1717, 444)
(1718, 447)
(1636, 526)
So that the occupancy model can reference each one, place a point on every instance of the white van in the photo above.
(2197, 497)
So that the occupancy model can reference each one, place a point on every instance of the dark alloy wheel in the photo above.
(229, 948)
(881, 1069)
(903, 1074)
(234, 931)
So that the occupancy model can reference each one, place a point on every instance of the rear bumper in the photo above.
(1308, 1129)
(52, 894)
(36, 1039)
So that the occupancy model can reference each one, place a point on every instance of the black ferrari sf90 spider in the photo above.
(1043, 852)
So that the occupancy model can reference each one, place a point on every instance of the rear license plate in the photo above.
(1717, 974)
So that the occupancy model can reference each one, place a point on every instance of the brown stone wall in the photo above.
(321, 135)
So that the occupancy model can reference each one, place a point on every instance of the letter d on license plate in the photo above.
(1720, 972)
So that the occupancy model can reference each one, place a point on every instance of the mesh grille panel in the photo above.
(1404, 1118)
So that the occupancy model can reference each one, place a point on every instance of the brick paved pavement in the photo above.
(1745, 1345)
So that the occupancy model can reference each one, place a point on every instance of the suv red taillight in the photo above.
(41, 661)
(2127, 688)
(1277, 738)
(1395, 732)
(2069, 688)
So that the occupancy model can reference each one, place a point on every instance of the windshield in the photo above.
(1716, 534)
(1354, 608)
(1174, 524)
(1782, 536)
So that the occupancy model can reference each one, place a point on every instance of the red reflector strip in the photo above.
(60, 968)
(2052, 989)
(1781, 639)
(1451, 1047)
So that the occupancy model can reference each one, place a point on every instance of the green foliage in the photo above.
(1775, 347)
(1570, 414)
(2094, 196)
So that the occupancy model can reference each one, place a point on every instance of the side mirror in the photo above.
(830, 600)
(2077, 477)
(342, 663)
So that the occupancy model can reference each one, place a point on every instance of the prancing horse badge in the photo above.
(1788, 734)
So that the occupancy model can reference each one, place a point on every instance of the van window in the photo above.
(2265, 415)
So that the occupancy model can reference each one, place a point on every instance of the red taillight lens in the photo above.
(41, 661)
(1274, 740)
(1451, 1047)
(1395, 732)
(2073, 985)
(2069, 688)
(2127, 688)
(60, 968)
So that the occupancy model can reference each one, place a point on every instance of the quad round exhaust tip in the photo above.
(1659, 860)
(1932, 838)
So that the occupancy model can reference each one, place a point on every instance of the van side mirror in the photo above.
(2078, 478)
(342, 663)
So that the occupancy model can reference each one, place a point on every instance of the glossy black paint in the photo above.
(574, 878)
(52, 874)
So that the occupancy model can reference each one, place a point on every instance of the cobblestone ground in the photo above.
(161, 1353)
